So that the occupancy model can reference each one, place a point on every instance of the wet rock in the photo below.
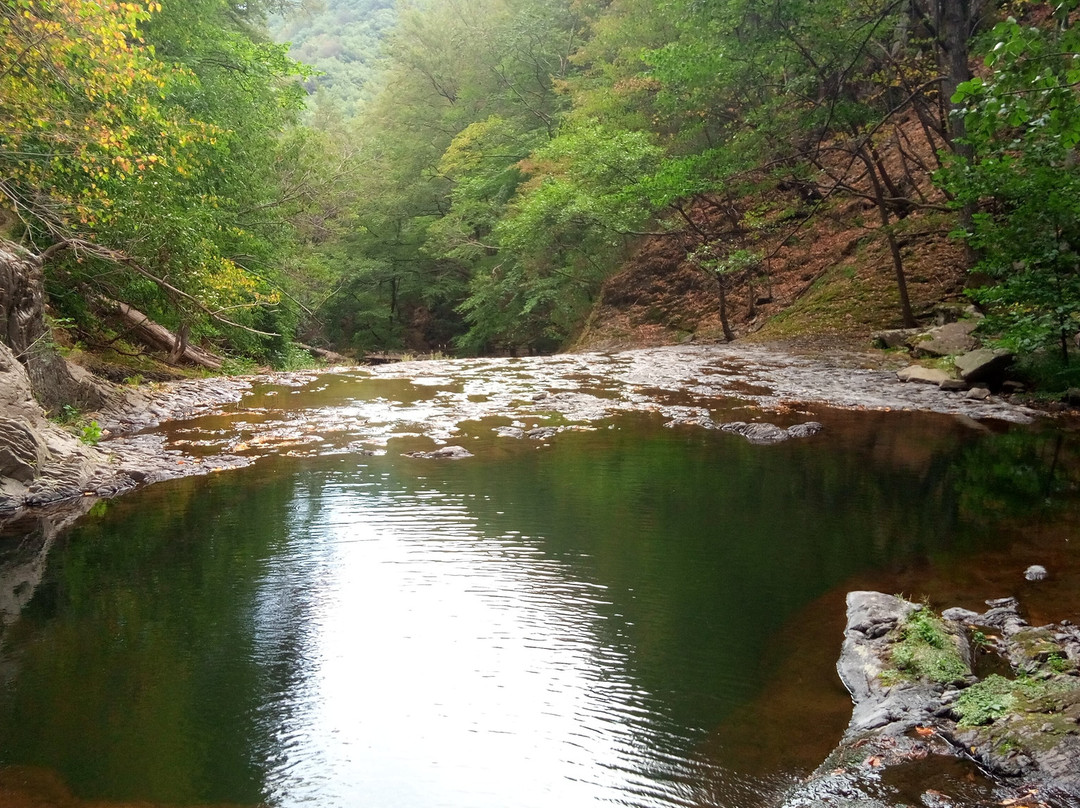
(936, 799)
(444, 453)
(764, 434)
(984, 365)
(978, 393)
(1032, 748)
(958, 615)
(917, 373)
(1036, 572)
(946, 340)
(804, 430)
(757, 433)
(509, 432)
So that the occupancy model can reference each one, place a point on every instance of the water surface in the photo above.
(630, 615)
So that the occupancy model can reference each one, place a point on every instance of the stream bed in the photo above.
(600, 598)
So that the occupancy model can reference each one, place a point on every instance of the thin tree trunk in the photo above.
(894, 247)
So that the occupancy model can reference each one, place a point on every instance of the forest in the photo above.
(464, 176)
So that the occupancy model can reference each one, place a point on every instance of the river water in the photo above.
(615, 612)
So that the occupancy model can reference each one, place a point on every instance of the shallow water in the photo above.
(627, 615)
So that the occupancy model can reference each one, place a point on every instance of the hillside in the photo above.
(819, 266)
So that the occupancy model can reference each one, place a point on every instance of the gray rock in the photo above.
(1036, 572)
(917, 373)
(978, 393)
(764, 434)
(757, 432)
(804, 430)
(947, 340)
(953, 385)
(983, 365)
(22, 454)
(509, 432)
(894, 337)
(958, 615)
(542, 432)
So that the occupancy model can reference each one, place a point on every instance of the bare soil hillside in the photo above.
(825, 268)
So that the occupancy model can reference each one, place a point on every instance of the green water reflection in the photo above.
(345, 629)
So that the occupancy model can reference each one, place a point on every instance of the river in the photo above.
(625, 607)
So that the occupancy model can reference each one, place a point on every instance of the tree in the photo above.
(1022, 125)
(145, 138)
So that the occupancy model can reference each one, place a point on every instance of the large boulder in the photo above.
(946, 340)
(54, 381)
(984, 365)
(894, 337)
(39, 462)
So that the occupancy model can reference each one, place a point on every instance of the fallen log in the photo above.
(158, 336)
(326, 355)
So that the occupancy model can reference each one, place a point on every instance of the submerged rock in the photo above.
(446, 452)
(1036, 572)
(764, 434)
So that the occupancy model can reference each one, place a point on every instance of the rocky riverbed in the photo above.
(740, 388)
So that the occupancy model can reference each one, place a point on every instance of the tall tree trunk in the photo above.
(954, 23)
(729, 335)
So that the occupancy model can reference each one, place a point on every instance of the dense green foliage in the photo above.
(1023, 125)
(158, 143)
(515, 151)
(468, 174)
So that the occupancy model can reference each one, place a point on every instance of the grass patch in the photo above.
(986, 701)
(926, 650)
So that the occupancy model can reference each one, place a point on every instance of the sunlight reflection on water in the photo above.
(488, 687)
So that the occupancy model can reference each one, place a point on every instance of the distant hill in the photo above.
(341, 39)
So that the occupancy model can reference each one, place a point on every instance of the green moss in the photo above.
(995, 697)
(925, 649)
(841, 300)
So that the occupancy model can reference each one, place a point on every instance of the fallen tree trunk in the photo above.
(327, 355)
(158, 336)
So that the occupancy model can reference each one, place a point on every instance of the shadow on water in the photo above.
(636, 614)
